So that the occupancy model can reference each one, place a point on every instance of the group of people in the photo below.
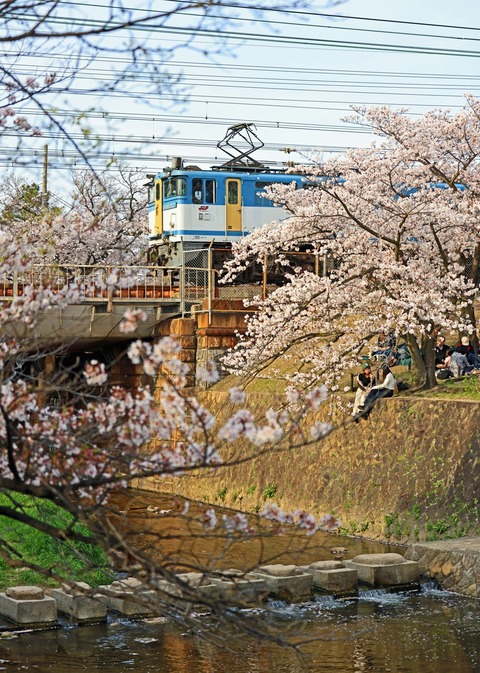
(449, 362)
(455, 362)
(388, 351)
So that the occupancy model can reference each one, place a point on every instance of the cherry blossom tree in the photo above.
(68, 437)
(21, 200)
(105, 223)
(400, 219)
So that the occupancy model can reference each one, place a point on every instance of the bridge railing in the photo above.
(97, 283)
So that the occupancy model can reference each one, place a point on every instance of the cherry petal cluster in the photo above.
(130, 320)
(303, 519)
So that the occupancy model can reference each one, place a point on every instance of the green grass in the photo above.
(466, 388)
(79, 561)
(269, 491)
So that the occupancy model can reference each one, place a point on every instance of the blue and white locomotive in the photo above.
(189, 208)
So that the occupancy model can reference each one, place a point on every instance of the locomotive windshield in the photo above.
(151, 192)
(174, 187)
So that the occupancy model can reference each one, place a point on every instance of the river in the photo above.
(379, 632)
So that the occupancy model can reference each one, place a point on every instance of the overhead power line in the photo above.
(256, 67)
(258, 101)
(215, 81)
(325, 25)
(245, 37)
(147, 118)
(14, 156)
(294, 12)
(330, 15)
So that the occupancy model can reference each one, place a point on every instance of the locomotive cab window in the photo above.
(197, 190)
(150, 192)
(262, 199)
(210, 195)
(174, 187)
(157, 193)
(232, 192)
(204, 191)
(181, 186)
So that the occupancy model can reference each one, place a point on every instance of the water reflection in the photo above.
(178, 541)
(423, 633)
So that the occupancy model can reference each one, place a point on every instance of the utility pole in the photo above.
(45, 174)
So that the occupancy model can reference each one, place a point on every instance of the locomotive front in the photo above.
(190, 208)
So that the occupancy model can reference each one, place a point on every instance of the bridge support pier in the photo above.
(218, 328)
(184, 331)
(208, 335)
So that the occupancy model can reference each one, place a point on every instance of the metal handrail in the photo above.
(97, 282)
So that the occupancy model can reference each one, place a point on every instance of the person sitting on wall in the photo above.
(385, 389)
(365, 381)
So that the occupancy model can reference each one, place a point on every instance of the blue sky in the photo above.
(295, 77)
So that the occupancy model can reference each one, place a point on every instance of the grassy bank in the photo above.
(466, 388)
(411, 472)
(56, 559)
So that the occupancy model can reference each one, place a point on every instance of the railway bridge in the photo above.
(104, 294)
(186, 302)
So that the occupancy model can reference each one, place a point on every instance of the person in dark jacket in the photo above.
(441, 350)
(365, 381)
(465, 347)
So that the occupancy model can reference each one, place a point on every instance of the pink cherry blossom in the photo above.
(130, 320)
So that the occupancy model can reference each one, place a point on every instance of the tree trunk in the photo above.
(470, 313)
(423, 362)
(419, 370)
(428, 347)
(474, 275)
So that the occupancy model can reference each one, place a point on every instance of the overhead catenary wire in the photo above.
(14, 156)
(259, 101)
(256, 67)
(286, 84)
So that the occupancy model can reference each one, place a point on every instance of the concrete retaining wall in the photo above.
(409, 473)
(455, 564)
